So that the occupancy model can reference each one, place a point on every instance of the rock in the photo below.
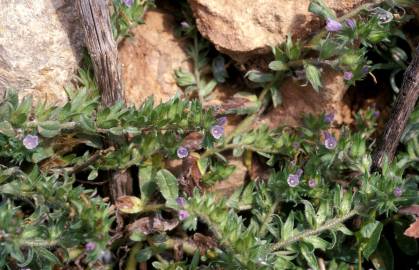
(237, 179)
(150, 57)
(242, 28)
(298, 100)
(40, 47)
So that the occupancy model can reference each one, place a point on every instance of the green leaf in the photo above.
(144, 254)
(259, 77)
(168, 185)
(371, 232)
(195, 261)
(293, 50)
(92, 175)
(42, 153)
(147, 185)
(319, 8)
(383, 258)
(184, 78)
(313, 76)
(276, 96)
(49, 129)
(288, 227)
(310, 214)
(207, 89)
(278, 65)
(308, 253)
(48, 255)
(7, 129)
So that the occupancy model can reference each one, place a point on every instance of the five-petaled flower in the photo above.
(221, 121)
(333, 26)
(217, 131)
(330, 141)
(293, 180)
(183, 214)
(30, 142)
(182, 152)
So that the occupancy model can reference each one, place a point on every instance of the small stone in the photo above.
(30, 142)
(333, 26)
(217, 131)
(182, 152)
(293, 180)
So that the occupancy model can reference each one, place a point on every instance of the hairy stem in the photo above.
(307, 233)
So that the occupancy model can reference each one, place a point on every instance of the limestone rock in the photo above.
(241, 28)
(40, 47)
(150, 57)
(298, 100)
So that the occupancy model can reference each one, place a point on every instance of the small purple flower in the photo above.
(398, 192)
(376, 114)
(329, 141)
(181, 201)
(347, 75)
(299, 173)
(351, 23)
(90, 246)
(333, 26)
(182, 152)
(128, 3)
(293, 180)
(365, 69)
(217, 131)
(328, 118)
(221, 121)
(312, 183)
(296, 145)
(30, 142)
(183, 214)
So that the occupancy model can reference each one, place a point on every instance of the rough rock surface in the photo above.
(240, 28)
(40, 45)
(298, 100)
(150, 57)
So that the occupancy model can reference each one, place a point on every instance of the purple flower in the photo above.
(217, 131)
(296, 145)
(376, 114)
(128, 3)
(333, 26)
(328, 118)
(183, 214)
(347, 75)
(293, 180)
(299, 172)
(222, 121)
(329, 141)
(351, 23)
(181, 201)
(398, 192)
(30, 141)
(312, 183)
(182, 152)
(90, 246)
(365, 69)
